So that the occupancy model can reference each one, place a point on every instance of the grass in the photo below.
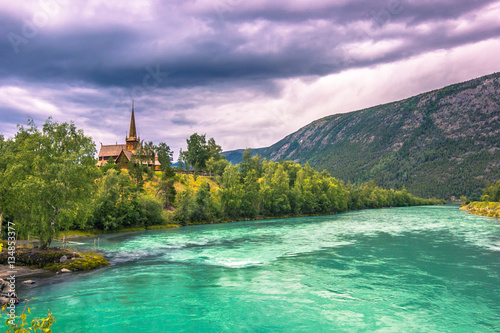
(184, 182)
(50, 259)
(85, 262)
(489, 209)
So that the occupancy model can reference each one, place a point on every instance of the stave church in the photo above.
(122, 153)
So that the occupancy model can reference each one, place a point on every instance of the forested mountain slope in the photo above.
(441, 143)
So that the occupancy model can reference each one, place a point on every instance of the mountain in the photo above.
(441, 143)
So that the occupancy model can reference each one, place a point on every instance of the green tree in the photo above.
(151, 212)
(216, 167)
(185, 207)
(166, 190)
(250, 201)
(214, 150)
(181, 161)
(50, 177)
(203, 207)
(117, 205)
(246, 165)
(112, 201)
(165, 155)
(138, 166)
(197, 153)
(492, 192)
(231, 192)
(148, 150)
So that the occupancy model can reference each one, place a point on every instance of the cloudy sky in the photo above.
(244, 72)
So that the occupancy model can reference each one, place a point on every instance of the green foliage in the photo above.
(50, 183)
(181, 161)
(85, 262)
(197, 208)
(258, 188)
(36, 257)
(216, 167)
(110, 164)
(150, 212)
(138, 170)
(166, 190)
(18, 324)
(47, 178)
(492, 192)
(489, 209)
(202, 156)
(165, 156)
(197, 152)
(489, 204)
(117, 205)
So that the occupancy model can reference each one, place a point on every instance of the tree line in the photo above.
(49, 182)
(492, 193)
(260, 188)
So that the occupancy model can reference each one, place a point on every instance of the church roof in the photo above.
(111, 150)
(128, 154)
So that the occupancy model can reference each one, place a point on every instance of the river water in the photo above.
(417, 269)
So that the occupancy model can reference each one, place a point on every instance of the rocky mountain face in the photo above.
(441, 143)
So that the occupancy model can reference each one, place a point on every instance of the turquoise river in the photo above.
(416, 269)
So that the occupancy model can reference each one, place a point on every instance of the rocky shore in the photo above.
(8, 292)
(54, 259)
(32, 261)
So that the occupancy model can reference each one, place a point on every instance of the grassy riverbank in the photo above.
(54, 259)
(490, 209)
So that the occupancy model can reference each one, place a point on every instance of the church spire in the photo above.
(132, 133)
(132, 139)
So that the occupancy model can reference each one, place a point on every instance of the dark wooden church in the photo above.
(122, 153)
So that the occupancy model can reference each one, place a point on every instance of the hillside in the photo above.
(441, 143)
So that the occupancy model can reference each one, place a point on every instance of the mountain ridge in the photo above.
(445, 142)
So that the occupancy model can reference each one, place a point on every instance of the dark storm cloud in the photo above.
(181, 119)
(117, 55)
(207, 65)
(345, 12)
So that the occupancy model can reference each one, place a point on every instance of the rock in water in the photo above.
(65, 270)
(6, 295)
(63, 259)
(29, 282)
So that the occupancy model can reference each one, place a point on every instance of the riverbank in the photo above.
(95, 232)
(22, 272)
(489, 209)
